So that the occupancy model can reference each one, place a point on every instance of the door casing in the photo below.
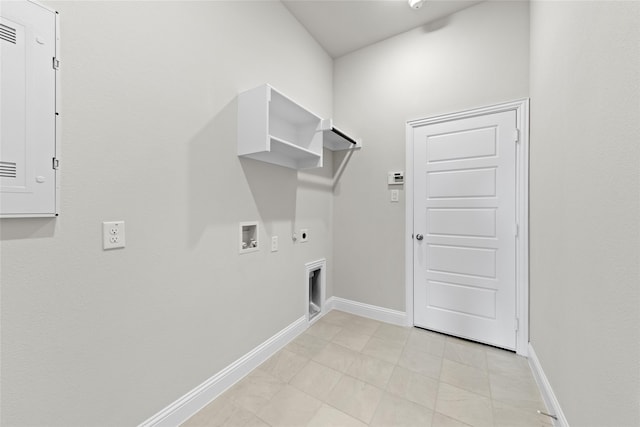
(521, 108)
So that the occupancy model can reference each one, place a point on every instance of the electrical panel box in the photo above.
(28, 75)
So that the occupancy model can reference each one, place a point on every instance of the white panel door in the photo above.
(465, 228)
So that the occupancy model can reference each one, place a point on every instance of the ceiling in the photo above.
(342, 26)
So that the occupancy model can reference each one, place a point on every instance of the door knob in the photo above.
(419, 236)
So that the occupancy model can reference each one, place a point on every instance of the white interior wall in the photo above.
(93, 337)
(585, 207)
(477, 57)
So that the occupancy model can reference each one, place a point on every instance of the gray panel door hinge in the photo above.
(56, 163)
(56, 63)
(516, 135)
(517, 230)
(517, 324)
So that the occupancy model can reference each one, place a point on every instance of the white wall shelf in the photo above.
(293, 151)
(336, 139)
(275, 129)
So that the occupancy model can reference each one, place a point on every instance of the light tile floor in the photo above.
(347, 371)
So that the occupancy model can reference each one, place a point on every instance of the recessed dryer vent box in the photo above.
(315, 293)
(248, 237)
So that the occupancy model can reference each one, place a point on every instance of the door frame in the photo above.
(521, 108)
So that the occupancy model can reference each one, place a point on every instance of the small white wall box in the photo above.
(28, 84)
(315, 295)
(394, 178)
(249, 237)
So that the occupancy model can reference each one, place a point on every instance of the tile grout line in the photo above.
(493, 410)
(435, 405)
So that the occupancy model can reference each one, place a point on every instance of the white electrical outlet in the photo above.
(113, 234)
(394, 195)
(274, 243)
(304, 235)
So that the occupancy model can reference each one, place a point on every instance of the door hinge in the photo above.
(517, 324)
(56, 63)
(517, 230)
(516, 135)
(56, 163)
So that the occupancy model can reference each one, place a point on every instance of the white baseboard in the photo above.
(366, 310)
(547, 392)
(189, 404)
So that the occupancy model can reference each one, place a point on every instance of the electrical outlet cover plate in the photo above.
(113, 235)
